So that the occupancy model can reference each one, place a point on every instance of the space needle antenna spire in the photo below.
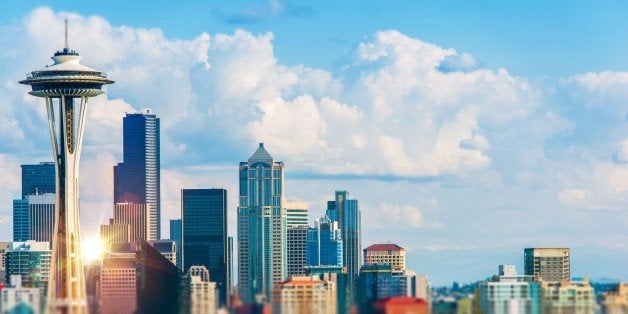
(66, 33)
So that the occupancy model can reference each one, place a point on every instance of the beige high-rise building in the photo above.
(134, 215)
(616, 302)
(550, 264)
(567, 297)
(113, 233)
(388, 254)
(202, 291)
(305, 295)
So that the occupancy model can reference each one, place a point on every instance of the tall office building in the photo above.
(296, 249)
(305, 295)
(202, 291)
(388, 253)
(229, 270)
(134, 215)
(38, 179)
(21, 220)
(324, 244)
(204, 226)
(167, 248)
(347, 213)
(176, 236)
(379, 281)
(4, 248)
(41, 216)
(137, 178)
(261, 226)
(550, 264)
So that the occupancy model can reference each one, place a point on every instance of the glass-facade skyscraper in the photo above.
(324, 244)
(204, 226)
(346, 212)
(137, 179)
(38, 179)
(261, 226)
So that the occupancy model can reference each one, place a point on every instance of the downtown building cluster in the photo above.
(284, 264)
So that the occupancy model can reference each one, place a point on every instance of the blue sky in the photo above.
(467, 132)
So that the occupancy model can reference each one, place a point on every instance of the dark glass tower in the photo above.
(175, 235)
(38, 179)
(136, 179)
(204, 224)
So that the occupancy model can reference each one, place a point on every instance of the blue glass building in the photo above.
(261, 226)
(176, 235)
(324, 244)
(38, 179)
(204, 229)
(137, 178)
(21, 220)
(346, 212)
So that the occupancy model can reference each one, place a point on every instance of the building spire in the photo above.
(66, 33)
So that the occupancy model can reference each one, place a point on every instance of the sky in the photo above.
(467, 132)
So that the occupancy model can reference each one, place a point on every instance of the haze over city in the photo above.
(466, 132)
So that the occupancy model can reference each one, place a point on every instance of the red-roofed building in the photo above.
(388, 253)
(400, 305)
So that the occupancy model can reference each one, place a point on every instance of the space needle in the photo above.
(66, 86)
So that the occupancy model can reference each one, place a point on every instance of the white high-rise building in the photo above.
(41, 216)
(202, 291)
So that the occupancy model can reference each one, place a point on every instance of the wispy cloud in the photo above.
(269, 10)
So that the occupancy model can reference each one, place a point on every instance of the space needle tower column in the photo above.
(66, 85)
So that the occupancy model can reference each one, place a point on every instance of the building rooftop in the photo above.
(384, 247)
(261, 155)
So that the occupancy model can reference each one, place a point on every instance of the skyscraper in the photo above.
(261, 226)
(324, 244)
(134, 215)
(204, 226)
(347, 213)
(551, 264)
(176, 235)
(21, 220)
(38, 179)
(114, 233)
(41, 216)
(137, 178)
(296, 237)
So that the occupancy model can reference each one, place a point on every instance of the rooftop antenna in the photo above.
(66, 33)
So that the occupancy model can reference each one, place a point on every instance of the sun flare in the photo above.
(93, 249)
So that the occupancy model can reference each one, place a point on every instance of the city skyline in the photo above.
(488, 161)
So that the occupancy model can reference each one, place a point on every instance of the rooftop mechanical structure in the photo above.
(66, 85)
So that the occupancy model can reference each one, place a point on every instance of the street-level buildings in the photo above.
(305, 295)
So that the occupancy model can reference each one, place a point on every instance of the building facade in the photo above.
(204, 229)
(324, 244)
(509, 293)
(167, 248)
(41, 216)
(347, 213)
(114, 233)
(38, 179)
(616, 302)
(202, 291)
(401, 305)
(568, 297)
(550, 264)
(136, 216)
(18, 299)
(261, 226)
(30, 260)
(390, 254)
(305, 295)
(137, 178)
(296, 250)
(176, 236)
(21, 220)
